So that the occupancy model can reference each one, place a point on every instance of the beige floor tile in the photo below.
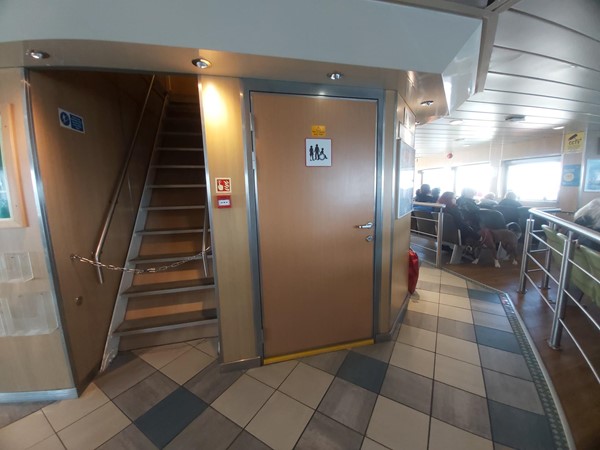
(52, 443)
(369, 444)
(443, 436)
(424, 295)
(209, 346)
(273, 374)
(94, 429)
(64, 413)
(160, 356)
(26, 432)
(243, 399)
(459, 374)
(183, 368)
(453, 280)
(397, 426)
(428, 274)
(417, 337)
(280, 422)
(458, 349)
(455, 300)
(414, 359)
(307, 384)
(460, 314)
(423, 307)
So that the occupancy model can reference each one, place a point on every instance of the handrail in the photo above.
(562, 279)
(439, 229)
(117, 192)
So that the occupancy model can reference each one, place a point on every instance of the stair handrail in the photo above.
(117, 192)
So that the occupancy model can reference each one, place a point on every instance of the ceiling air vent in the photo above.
(515, 118)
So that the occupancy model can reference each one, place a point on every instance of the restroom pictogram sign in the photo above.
(223, 185)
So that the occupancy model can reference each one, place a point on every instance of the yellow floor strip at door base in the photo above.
(318, 351)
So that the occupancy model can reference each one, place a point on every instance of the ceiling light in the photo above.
(417, 123)
(201, 63)
(335, 76)
(37, 54)
(456, 122)
(427, 103)
(558, 128)
(515, 118)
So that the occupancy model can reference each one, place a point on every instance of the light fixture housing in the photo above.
(515, 118)
(335, 76)
(201, 63)
(427, 103)
(560, 127)
(37, 54)
(456, 122)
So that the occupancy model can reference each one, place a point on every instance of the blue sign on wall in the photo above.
(571, 175)
(70, 121)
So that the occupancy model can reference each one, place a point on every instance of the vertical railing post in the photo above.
(526, 245)
(562, 299)
(440, 234)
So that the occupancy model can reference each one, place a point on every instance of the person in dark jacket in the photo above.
(468, 207)
(467, 232)
(424, 194)
(510, 199)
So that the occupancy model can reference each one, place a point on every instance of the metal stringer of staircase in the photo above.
(172, 224)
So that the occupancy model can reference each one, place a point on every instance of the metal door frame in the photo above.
(289, 88)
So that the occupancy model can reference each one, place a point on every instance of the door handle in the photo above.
(366, 226)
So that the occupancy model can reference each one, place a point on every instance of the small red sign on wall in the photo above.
(223, 185)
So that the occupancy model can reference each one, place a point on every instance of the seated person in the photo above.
(468, 208)
(435, 193)
(589, 217)
(489, 201)
(424, 196)
(467, 232)
(510, 199)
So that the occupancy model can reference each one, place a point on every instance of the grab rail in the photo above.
(438, 224)
(117, 191)
(562, 278)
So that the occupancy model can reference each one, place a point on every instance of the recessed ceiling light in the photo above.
(37, 54)
(201, 63)
(417, 123)
(427, 103)
(459, 139)
(515, 118)
(456, 122)
(335, 76)
(558, 128)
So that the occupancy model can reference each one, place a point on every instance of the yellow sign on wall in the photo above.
(318, 130)
(574, 142)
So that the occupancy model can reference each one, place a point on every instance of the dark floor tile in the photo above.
(211, 382)
(512, 391)
(520, 429)
(144, 395)
(366, 372)
(11, 412)
(169, 417)
(487, 296)
(128, 439)
(381, 351)
(349, 404)
(505, 362)
(454, 290)
(501, 447)
(408, 388)
(420, 320)
(125, 371)
(461, 409)
(457, 329)
(329, 362)
(325, 433)
(487, 307)
(209, 431)
(428, 285)
(497, 339)
(245, 441)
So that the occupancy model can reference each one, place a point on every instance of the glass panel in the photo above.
(474, 176)
(4, 196)
(534, 180)
(442, 178)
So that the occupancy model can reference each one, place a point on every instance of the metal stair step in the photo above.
(169, 288)
(181, 133)
(164, 323)
(180, 149)
(169, 231)
(173, 208)
(164, 258)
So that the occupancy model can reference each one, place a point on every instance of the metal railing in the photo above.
(557, 286)
(437, 222)
(117, 191)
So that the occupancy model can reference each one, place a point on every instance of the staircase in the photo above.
(172, 225)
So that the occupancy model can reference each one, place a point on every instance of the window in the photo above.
(474, 176)
(536, 179)
(442, 178)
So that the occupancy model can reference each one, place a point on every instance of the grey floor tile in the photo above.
(349, 404)
(211, 382)
(488, 307)
(11, 412)
(420, 320)
(519, 429)
(325, 433)
(381, 351)
(501, 447)
(209, 431)
(428, 285)
(245, 441)
(329, 362)
(143, 396)
(363, 371)
(497, 339)
(461, 409)
(169, 417)
(492, 321)
(487, 296)
(126, 371)
(505, 362)
(130, 438)
(512, 391)
(457, 329)
(408, 388)
(454, 290)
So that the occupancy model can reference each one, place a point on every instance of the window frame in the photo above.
(531, 160)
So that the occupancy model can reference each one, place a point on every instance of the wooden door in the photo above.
(316, 265)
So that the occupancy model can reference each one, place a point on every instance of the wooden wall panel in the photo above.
(225, 153)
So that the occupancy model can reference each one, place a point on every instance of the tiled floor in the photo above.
(458, 376)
